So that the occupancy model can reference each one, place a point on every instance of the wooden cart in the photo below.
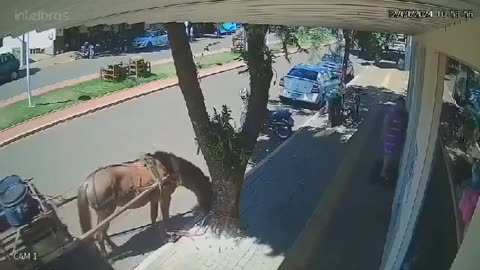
(46, 244)
(37, 243)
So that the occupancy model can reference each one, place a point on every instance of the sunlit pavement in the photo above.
(41, 77)
(61, 157)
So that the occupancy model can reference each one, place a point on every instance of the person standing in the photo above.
(470, 195)
(395, 126)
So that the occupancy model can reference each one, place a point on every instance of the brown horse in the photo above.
(113, 186)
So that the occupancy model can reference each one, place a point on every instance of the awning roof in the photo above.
(349, 14)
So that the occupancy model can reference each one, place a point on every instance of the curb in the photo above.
(169, 82)
(304, 125)
(67, 83)
(17, 135)
(302, 249)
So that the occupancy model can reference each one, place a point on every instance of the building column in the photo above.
(424, 120)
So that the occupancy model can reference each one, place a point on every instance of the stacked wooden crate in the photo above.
(114, 72)
(138, 67)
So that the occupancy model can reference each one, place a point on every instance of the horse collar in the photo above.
(150, 164)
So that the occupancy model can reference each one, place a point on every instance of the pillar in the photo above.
(424, 120)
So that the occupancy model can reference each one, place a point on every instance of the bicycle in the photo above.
(351, 110)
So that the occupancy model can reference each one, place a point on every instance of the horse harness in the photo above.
(149, 163)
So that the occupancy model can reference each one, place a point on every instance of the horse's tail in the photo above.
(84, 208)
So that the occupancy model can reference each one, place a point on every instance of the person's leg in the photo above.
(387, 160)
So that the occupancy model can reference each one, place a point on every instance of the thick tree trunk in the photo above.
(260, 69)
(187, 79)
(227, 182)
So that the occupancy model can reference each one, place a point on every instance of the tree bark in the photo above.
(259, 63)
(188, 79)
(226, 182)
(192, 93)
(347, 35)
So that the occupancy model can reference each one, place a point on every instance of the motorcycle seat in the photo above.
(278, 114)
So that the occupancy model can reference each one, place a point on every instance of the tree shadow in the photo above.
(80, 98)
(22, 73)
(149, 238)
(280, 195)
(85, 256)
(386, 65)
(277, 200)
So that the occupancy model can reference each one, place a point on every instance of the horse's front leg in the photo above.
(166, 198)
(154, 198)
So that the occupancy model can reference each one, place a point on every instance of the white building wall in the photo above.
(40, 40)
(460, 42)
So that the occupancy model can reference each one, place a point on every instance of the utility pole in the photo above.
(29, 92)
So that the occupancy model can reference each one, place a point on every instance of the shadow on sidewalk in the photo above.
(279, 196)
(22, 73)
(150, 238)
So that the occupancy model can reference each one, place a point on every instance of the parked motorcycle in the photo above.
(279, 122)
(87, 51)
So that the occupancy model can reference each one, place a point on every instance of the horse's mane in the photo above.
(192, 176)
(167, 161)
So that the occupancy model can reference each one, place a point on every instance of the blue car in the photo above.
(228, 28)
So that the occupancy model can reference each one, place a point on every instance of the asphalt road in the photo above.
(61, 157)
(71, 70)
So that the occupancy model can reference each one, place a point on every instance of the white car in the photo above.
(308, 83)
(335, 63)
(151, 39)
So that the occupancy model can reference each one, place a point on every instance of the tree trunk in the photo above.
(347, 35)
(192, 93)
(259, 63)
(226, 182)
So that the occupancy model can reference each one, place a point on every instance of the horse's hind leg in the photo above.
(102, 233)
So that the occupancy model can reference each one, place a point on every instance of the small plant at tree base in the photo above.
(225, 149)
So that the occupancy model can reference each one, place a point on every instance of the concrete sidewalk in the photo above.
(348, 229)
(278, 199)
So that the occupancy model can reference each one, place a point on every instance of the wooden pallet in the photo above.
(114, 73)
(139, 68)
(239, 42)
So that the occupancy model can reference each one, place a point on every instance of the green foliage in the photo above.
(315, 37)
(372, 42)
(224, 143)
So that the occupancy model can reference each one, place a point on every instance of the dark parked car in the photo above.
(9, 66)
(394, 53)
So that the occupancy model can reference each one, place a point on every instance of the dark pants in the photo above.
(333, 108)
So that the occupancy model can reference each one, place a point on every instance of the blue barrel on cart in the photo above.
(16, 201)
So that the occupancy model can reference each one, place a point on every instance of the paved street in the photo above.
(71, 70)
(61, 157)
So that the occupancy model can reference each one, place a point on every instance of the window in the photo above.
(324, 78)
(303, 73)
